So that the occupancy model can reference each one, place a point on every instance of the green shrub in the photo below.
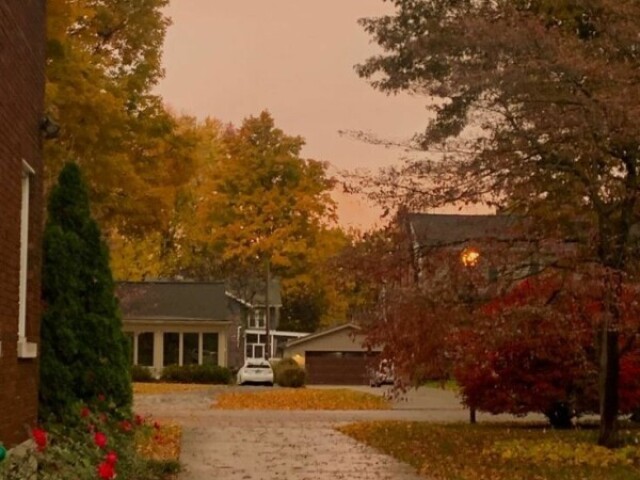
(70, 450)
(84, 351)
(141, 374)
(212, 374)
(288, 373)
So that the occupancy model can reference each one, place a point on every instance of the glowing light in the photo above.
(470, 257)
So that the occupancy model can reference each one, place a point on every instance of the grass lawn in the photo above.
(157, 387)
(501, 451)
(450, 385)
(301, 399)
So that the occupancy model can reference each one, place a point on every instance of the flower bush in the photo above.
(99, 443)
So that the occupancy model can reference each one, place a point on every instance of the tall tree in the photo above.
(84, 351)
(104, 58)
(535, 105)
(255, 199)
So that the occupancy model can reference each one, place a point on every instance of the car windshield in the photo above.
(257, 365)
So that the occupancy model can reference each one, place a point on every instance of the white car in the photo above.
(255, 371)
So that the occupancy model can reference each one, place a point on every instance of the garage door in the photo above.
(337, 368)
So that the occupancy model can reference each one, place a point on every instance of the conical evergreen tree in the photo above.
(84, 351)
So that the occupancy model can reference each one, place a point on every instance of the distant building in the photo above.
(22, 77)
(171, 322)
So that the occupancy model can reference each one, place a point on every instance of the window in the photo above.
(130, 340)
(257, 319)
(255, 345)
(171, 349)
(25, 349)
(493, 274)
(210, 349)
(190, 348)
(145, 349)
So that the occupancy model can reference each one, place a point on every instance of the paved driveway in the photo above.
(299, 445)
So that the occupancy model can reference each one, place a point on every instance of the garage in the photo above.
(334, 357)
(337, 368)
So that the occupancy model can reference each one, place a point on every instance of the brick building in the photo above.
(22, 76)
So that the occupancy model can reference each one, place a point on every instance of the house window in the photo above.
(171, 349)
(190, 348)
(130, 339)
(210, 349)
(493, 274)
(255, 345)
(145, 349)
(257, 319)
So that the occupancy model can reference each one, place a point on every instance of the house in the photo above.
(472, 237)
(336, 356)
(173, 322)
(502, 249)
(22, 77)
(249, 331)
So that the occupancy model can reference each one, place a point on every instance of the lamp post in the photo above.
(470, 258)
(267, 318)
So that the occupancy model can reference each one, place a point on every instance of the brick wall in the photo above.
(22, 50)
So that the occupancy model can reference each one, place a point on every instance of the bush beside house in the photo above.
(205, 374)
(84, 352)
(288, 373)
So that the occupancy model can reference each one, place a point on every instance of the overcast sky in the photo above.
(234, 58)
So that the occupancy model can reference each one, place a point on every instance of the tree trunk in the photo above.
(609, 379)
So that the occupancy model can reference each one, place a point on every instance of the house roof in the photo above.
(444, 229)
(172, 299)
(253, 292)
(323, 333)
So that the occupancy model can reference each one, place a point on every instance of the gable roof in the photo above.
(252, 292)
(173, 300)
(323, 333)
(445, 229)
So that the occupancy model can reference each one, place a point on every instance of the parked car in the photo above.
(382, 375)
(255, 371)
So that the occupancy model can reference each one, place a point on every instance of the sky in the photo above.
(231, 59)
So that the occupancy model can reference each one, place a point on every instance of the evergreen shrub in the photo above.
(141, 374)
(84, 351)
(205, 374)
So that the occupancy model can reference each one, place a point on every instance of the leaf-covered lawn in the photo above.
(301, 399)
(500, 451)
(160, 443)
(156, 388)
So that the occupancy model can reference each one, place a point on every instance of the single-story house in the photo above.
(335, 356)
(175, 323)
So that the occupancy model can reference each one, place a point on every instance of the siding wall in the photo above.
(22, 62)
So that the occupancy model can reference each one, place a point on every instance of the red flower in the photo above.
(156, 425)
(111, 458)
(85, 412)
(40, 437)
(139, 420)
(106, 471)
(126, 426)
(100, 439)
(101, 397)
